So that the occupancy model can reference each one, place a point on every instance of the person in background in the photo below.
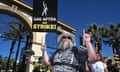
(98, 65)
(68, 58)
(116, 67)
(110, 66)
(38, 67)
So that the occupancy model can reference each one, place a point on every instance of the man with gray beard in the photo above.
(68, 58)
(65, 43)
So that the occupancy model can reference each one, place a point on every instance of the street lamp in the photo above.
(28, 52)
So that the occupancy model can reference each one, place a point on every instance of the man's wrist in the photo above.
(87, 42)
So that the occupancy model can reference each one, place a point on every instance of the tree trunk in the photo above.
(11, 50)
(16, 57)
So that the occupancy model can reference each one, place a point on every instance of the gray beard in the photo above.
(65, 44)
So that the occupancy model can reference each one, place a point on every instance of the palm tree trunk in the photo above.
(16, 57)
(11, 50)
(98, 47)
(23, 65)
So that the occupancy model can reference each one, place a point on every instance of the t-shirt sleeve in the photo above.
(105, 66)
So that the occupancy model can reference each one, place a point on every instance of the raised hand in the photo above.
(43, 47)
(86, 37)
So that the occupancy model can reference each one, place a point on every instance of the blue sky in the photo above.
(80, 14)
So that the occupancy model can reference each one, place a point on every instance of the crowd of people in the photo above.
(69, 58)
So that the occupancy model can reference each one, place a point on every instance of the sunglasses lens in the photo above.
(69, 37)
(65, 37)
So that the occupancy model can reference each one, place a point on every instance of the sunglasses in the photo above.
(66, 37)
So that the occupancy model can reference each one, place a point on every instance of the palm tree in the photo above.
(11, 35)
(16, 32)
(96, 32)
(20, 34)
(112, 35)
